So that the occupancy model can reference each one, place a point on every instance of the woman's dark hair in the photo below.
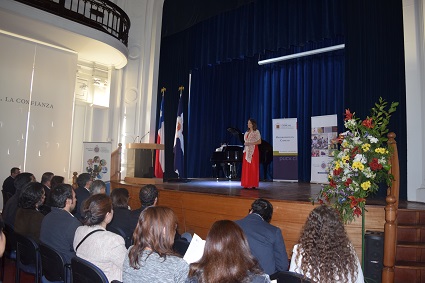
(120, 197)
(59, 194)
(227, 256)
(31, 195)
(254, 124)
(95, 209)
(263, 208)
(56, 180)
(325, 250)
(155, 230)
(22, 180)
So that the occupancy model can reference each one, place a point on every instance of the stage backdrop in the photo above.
(285, 150)
(323, 130)
(97, 160)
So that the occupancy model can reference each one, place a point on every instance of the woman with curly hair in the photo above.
(151, 258)
(324, 253)
(226, 258)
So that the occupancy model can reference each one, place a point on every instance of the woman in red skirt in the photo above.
(251, 157)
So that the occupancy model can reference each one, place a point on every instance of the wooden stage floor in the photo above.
(295, 191)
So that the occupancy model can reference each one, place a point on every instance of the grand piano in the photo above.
(229, 159)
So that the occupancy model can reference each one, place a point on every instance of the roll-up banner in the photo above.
(97, 160)
(285, 150)
(323, 130)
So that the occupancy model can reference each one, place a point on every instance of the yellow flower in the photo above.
(366, 147)
(344, 144)
(365, 185)
(380, 150)
(358, 165)
(345, 158)
(337, 166)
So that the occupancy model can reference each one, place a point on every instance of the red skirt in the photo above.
(251, 171)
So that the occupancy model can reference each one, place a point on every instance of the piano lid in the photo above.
(236, 133)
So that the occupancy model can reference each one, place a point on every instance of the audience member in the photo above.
(97, 187)
(58, 227)
(8, 184)
(122, 215)
(265, 240)
(82, 193)
(28, 218)
(2, 237)
(151, 258)
(56, 180)
(9, 211)
(93, 243)
(148, 196)
(226, 258)
(324, 252)
(46, 180)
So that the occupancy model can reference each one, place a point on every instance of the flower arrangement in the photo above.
(361, 163)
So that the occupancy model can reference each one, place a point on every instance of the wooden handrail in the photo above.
(390, 228)
(116, 164)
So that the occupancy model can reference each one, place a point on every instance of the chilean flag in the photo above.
(179, 141)
(160, 157)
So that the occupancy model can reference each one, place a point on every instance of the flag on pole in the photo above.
(160, 156)
(178, 139)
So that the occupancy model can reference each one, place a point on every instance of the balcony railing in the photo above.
(99, 14)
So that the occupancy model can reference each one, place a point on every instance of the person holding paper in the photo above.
(151, 258)
(265, 240)
(226, 258)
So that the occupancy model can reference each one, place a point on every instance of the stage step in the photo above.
(410, 255)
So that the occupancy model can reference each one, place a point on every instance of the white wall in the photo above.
(36, 100)
(413, 15)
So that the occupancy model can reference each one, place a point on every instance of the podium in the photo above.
(141, 162)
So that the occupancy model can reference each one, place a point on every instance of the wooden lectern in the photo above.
(141, 162)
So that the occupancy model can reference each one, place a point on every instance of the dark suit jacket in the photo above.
(266, 243)
(81, 194)
(28, 223)
(10, 209)
(124, 219)
(58, 230)
(9, 185)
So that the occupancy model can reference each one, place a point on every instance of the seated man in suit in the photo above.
(265, 240)
(58, 227)
(82, 193)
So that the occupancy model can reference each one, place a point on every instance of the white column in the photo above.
(413, 12)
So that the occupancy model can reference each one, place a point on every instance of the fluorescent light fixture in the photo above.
(302, 54)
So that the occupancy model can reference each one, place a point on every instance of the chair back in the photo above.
(53, 264)
(27, 257)
(127, 238)
(10, 240)
(84, 271)
(289, 277)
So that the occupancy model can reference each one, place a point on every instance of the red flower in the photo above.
(348, 182)
(348, 115)
(357, 211)
(332, 184)
(367, 123)
(355, 201)
(355, 151)
(320, 201)
(337, 171)
(374, 164)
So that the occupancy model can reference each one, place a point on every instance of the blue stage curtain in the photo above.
(230, 43)
(226, 95)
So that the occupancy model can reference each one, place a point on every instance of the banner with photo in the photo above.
(323, 130)
(97, 160)
(285, 150)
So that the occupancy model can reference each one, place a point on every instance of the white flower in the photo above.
(361, 158)
(368, 173)
(382, 160)
(372, 139)
(356, 140)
